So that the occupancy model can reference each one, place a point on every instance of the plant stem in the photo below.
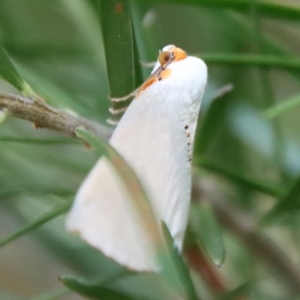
(43, 115)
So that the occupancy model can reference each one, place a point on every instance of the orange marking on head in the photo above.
(165, 73)
(171, 55)
(165, 58)
(179, 54)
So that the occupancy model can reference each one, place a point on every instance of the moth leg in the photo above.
(124, 98)
(115, 111)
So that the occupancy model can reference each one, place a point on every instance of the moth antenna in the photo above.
(223, 90)
(145, 64)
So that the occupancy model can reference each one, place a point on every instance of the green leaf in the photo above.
(10, 74)
(207, 229)
(289, 202)
(265, 8)
(38, 141)
(274, 61)
(36, 193)
(54, 295)
(238, 293)
(57, 211)
(120, 48)
(267, 44)
(179, 264)
(95, 290)
(131, 181)
(53, 94)
(209, 127)
(282, 107)
(274, 190)
(123, 68)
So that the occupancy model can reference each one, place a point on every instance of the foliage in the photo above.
(73, 54)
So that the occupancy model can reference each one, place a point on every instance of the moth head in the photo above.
(165, 57)
(171, 54)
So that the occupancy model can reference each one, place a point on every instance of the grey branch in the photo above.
(46, 116)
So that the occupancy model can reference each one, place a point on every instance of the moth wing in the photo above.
(103, 215)
(152, 138)
(155, 137)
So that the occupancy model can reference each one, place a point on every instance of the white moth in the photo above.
(155, 136)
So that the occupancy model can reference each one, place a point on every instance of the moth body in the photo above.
(155, 136)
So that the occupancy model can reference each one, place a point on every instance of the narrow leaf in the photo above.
(10, 74)
(240, 292)
(53, 94)
(268, 188)
(273, 61)
(120, 48)
(267, 44)
(130, 179)
(282, 107)
(207, 228)
(289, 202)
(277, 10)
(180, 266)
(54, 295)
(57, 211)
(37, 141)
(95, 290)
(209, 126)
(124, 70)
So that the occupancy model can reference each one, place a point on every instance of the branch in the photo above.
(43, 115)
(244, 227)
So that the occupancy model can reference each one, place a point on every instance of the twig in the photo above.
(245, 228)
(43, 115)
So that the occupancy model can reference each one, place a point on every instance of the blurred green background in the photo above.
(247, 144)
